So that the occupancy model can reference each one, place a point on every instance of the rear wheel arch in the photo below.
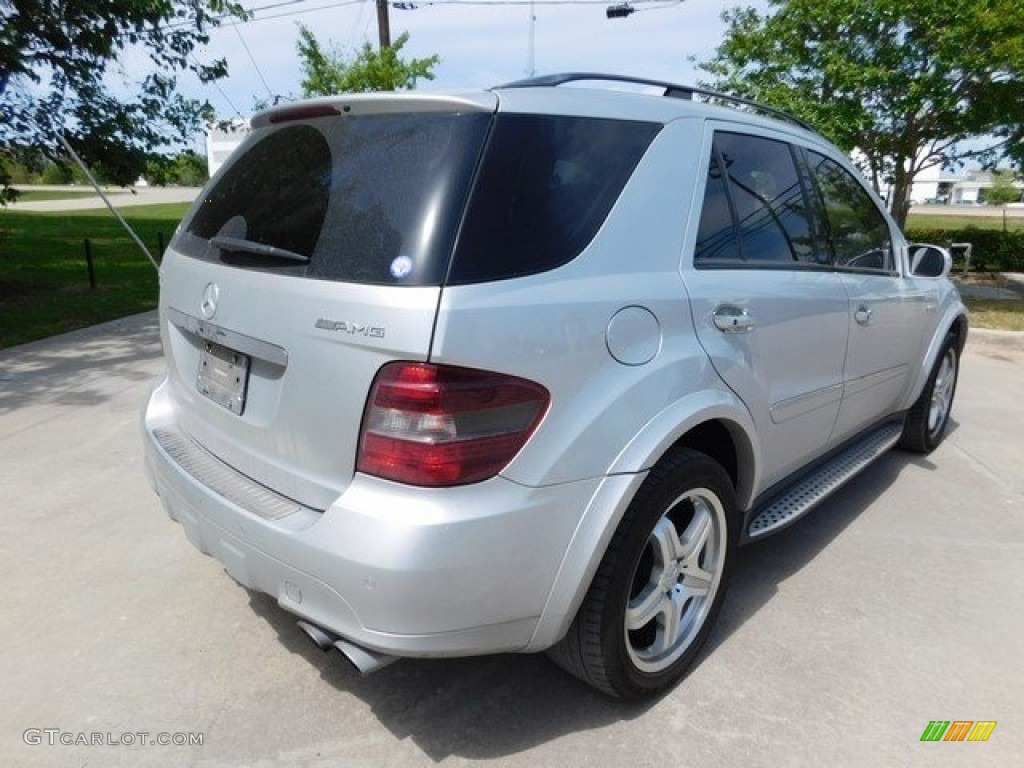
(730, 445)
(712, 438)
(642, 622)
(720, 429)
(714, 423)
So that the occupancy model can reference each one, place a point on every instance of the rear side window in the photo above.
(545, 186)
(369, 199)
(856, 230)
(758, 177)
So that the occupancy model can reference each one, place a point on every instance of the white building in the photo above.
(934, 185)
(938, 186)
(221, 140)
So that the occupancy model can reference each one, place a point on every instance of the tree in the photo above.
(326, 73)
(905, 82)
(56, 58)
(1002, 190)
(187, 169)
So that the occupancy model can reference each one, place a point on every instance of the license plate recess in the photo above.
(223, 376)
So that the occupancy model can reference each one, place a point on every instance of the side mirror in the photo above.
(929, 261)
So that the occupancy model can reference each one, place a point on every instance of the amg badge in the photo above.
(353, 329)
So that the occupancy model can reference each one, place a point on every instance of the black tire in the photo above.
(691, 495)
(926, 422)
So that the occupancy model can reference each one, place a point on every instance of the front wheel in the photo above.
(927, 419)
(659, 588)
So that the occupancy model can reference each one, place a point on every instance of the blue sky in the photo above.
(480, 44)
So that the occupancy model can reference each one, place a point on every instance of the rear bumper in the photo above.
(400, 570)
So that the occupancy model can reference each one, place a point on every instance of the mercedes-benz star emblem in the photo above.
(209, 304)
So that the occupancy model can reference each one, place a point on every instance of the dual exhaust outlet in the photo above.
(363, 659)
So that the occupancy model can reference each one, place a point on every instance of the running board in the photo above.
(822, 482)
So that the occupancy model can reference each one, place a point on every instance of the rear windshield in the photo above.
(380, 199)
(369, 199)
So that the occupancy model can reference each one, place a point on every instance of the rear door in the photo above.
(314, 257)
(769, 311)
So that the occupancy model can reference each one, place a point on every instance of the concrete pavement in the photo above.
(898, 602)
(119, 198)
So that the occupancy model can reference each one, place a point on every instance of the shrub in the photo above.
(994, 250)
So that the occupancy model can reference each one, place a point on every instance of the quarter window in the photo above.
(545, 186)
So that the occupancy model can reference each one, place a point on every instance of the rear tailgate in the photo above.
(311, 349)
(312, 259)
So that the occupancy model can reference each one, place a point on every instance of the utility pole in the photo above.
(383, 24)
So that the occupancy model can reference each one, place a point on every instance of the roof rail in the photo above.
(672, 90)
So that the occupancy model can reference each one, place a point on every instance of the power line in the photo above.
(217, 86)
(302, 10)
(253, 60)
(406, 5)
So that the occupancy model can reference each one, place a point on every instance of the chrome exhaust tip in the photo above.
(363, 659)
(320, 637)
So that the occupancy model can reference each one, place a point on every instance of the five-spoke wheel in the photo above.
(660, 585)
(676, 580)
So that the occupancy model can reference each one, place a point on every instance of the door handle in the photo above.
(863, 314)
(730, 319)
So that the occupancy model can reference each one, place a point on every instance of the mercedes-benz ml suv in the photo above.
(518, 370)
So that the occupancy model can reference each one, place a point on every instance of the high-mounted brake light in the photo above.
(437, 425)
(304, 113)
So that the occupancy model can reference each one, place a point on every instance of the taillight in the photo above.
(438, 425)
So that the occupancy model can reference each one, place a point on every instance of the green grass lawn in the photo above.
(932, 221)
(1001, 315)
(44, 284)
(35, 195)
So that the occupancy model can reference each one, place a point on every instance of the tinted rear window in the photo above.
(544, 189)
(368, 199)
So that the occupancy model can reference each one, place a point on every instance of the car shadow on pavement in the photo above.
(475, 708)
(495, 706)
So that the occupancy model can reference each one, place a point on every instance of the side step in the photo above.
(822, 482)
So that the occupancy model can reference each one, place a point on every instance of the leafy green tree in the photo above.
(1002, 190)
(159, 170)
(188, 169)
(56, 57)
(327, 72)
(905, 82)
(7, 192)
(54, 173)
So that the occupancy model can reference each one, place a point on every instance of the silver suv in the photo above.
(518, 370)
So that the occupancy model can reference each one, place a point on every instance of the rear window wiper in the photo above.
(238, 245)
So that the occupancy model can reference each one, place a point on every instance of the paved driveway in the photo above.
(900, 601)
(119, 197)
